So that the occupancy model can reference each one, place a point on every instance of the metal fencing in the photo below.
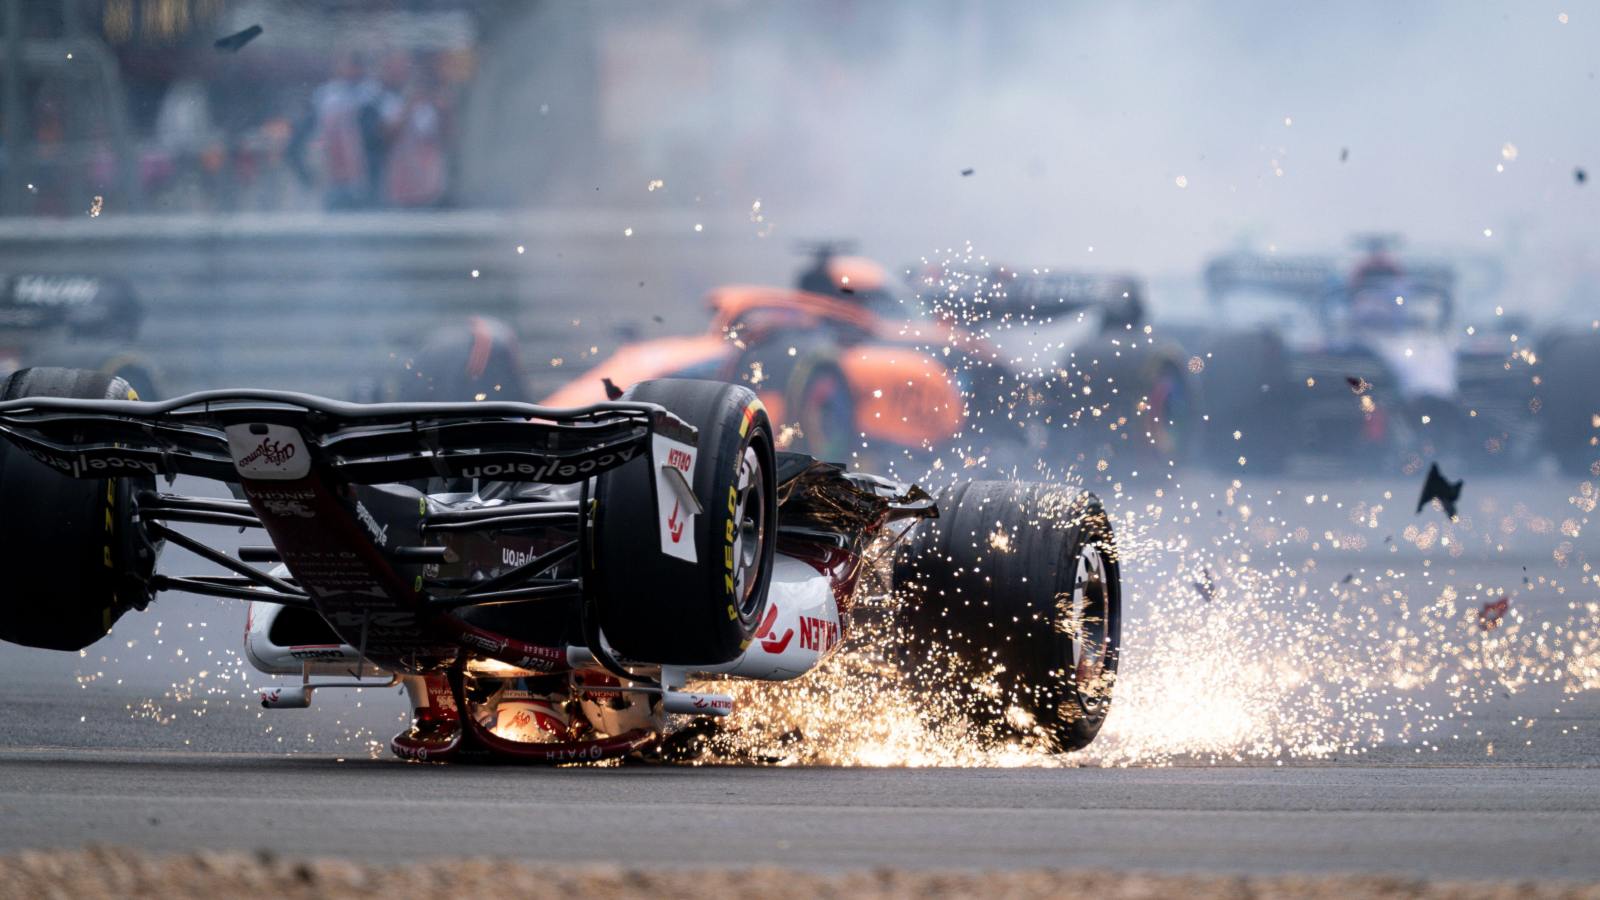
(315, 302)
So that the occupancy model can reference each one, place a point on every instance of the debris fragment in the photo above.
(235, 42)
(1437, 488)
(1489, 617)
(1358, 385)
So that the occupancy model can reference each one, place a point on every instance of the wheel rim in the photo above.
(1088, 627)
(750, 530)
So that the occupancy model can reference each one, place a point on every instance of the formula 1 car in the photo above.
(850, 367)
(1357, 368)
(1078, 366)
(832, 367)
(550, 585)
(79, 320)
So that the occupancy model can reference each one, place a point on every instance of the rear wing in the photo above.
(1120, 297)
(231, 435)
(1308, 277)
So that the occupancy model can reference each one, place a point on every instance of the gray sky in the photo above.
(1079, 119)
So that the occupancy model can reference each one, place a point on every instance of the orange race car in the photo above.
(849, 367)
(829, 367)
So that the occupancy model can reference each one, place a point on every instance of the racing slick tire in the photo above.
(1151, 397)
(818, 406)
(465, 361)
(1017, 583)
(1167, 415)
(1245, 384)
(820, 400)
(655, 607)
(74, 559)
(137, 372)
(1569, 372)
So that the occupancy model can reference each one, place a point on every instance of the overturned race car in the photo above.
(549, 585)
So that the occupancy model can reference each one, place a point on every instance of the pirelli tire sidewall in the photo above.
(74, 559)
(985, 592)
(657, 608)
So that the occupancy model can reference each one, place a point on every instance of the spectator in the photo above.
(415, 168)
(334, 125)
(381, 120)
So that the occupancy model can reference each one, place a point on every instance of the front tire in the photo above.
(74, 559)
(658, 608)
(1013, 604)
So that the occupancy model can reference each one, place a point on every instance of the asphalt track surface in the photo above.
(133, 745)
(1498, 823)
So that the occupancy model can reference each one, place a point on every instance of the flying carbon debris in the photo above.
(235, 42)
(1437, 488)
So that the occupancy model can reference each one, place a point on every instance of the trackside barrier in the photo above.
(315, 302)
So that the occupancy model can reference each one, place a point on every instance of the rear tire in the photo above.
(1570, 369)
(1246, 386)
(73, 557)
(1017, 583)
(658, 608)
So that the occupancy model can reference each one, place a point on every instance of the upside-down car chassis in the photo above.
(416, 542)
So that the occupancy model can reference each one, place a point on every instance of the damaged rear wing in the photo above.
(278, 434)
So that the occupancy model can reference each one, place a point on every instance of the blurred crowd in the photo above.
(363, 126)
(376, 134)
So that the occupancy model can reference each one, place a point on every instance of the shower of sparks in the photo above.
(1288, 662)
(1277, 660)
(1279, 657)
